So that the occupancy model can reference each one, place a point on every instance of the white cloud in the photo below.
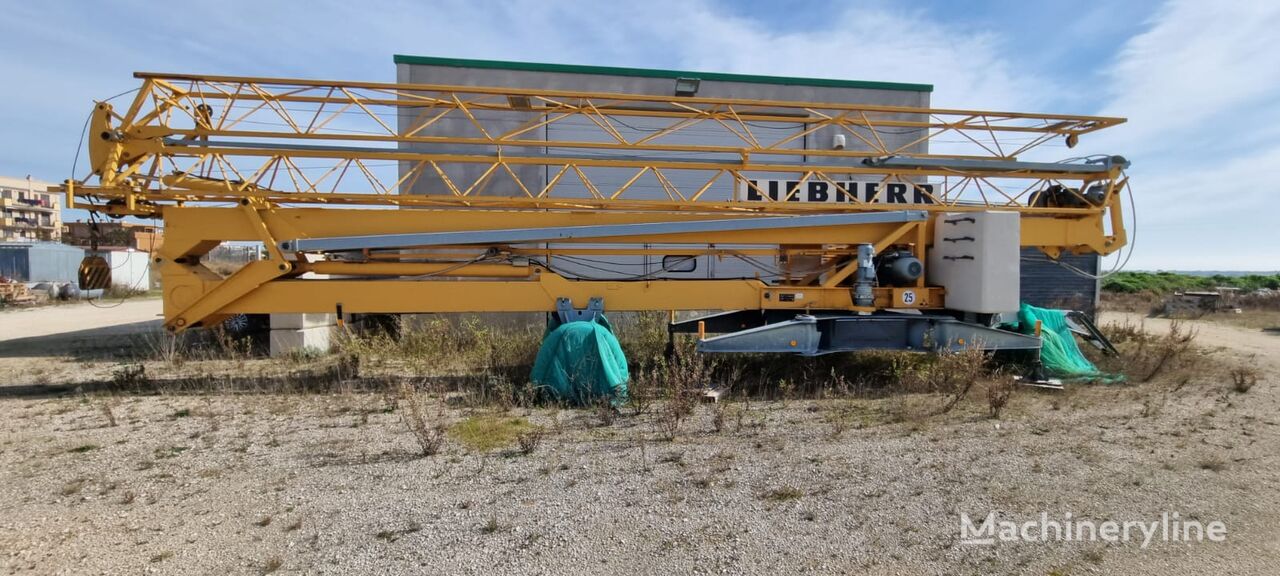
(1201, 87)
(1198, 65)
(872, 43)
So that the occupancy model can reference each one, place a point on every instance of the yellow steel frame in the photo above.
(259, 159)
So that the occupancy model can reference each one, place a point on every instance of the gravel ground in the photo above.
(331, 484)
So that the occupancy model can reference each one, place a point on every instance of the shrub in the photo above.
(1243, 378)
(951, 374)
(430, 437)
(999, 391)
(1145, 356)
(529, 441)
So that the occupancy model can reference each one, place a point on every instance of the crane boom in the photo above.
(314, 170)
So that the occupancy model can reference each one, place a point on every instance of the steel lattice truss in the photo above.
(188, 138)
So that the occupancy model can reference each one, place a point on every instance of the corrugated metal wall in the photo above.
(13, 261)
(40, 262)
(1049, 285)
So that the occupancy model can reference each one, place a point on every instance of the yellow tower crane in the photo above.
(414, 198)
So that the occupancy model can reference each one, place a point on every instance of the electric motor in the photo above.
(898, 268)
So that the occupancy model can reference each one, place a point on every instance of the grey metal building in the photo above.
(1050, 285)
(460, 72)
(1042, 283)
(40, 261)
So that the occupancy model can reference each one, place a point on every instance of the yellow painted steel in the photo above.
(231, 159)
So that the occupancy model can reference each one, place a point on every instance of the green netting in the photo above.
(1059, 353)
(580, 362)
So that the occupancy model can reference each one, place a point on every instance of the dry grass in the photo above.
(161, 557)
(73, 487)
(393, 535)
(462, 362)
(782, 494)
(487, 433)
(487, 365)
(1213, 464)
(107, 407)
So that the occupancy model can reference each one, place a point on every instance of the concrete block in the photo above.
(302, 321)
(317, 338)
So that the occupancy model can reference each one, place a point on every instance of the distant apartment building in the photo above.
(28, 213)
(114, 234)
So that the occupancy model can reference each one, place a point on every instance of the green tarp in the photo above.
(1059, 353)
(580, 362)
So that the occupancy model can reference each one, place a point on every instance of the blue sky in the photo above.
(1199, 81)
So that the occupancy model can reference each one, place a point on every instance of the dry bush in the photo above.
(643, 335)
(948, 372)
(722, 408)
(685, 377)
(129, 377)
(1145, 356)
(951, 374)
(1243, 378)
(718, 411)
(430, 437)
(885, 371)
(604, 410)
(1168, 350)
(642, 390)
(529, 441)
(167, 347)
(669, 421)
(999, 390)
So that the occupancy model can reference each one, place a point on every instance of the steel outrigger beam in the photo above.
(656, 229)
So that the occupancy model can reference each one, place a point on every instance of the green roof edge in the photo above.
(657, 73)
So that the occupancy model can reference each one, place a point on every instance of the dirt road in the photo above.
(125, 316)
(74, 343)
